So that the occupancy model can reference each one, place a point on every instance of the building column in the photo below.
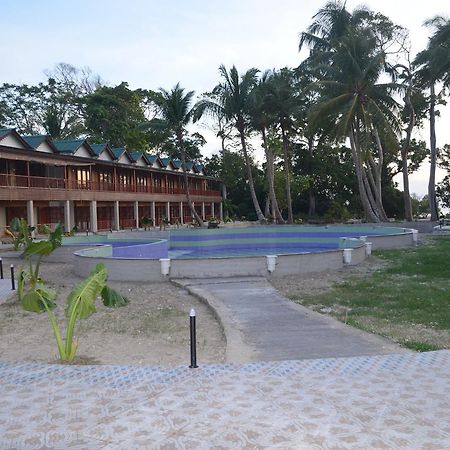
(221, 211)
(116, 216)
(67, 217)
(31, 215)
(203, 211)
(213, 209)
(181, 214)
(93, 211)
(168, 212)
(136, 213)
(153, 213)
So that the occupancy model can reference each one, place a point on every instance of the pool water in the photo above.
(241, 242)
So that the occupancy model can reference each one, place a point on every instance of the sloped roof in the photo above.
(5, 131)
(69, 146)
(118, 151)
(176, 163)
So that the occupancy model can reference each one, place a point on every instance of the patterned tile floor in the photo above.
(375, 402)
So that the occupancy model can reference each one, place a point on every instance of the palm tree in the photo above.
(176, 113)
(357, 107)
(260, 120)
(231, 98)
(284, 105)
(433, 66)
(347, 59)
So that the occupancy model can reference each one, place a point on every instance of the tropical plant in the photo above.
(80, 304)
(21, 232)
(31, 288)
(176, 113)
(433, 66)
(348, 59)
(230, 99)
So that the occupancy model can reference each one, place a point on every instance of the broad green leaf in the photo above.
(84, 295)
(15, 224)
(55, 237)
(33, 299)
(38, 248)
(112, 298)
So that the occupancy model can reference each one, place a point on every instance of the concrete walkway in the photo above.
(262, 325)
(375, 402)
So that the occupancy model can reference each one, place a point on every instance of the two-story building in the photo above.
(95, 187)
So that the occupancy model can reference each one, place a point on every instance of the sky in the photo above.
(153, 43)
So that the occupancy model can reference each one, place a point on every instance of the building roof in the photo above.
(5, 131)
(69, 146)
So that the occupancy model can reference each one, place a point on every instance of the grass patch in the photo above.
(408, 300)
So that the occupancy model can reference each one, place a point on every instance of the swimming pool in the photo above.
(239, 242)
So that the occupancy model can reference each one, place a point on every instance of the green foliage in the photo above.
(411, 290)
(21, 232)
(80, 304)
(114, 115)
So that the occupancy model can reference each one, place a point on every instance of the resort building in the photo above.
(95, 187)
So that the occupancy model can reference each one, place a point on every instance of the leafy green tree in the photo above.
(114, 115)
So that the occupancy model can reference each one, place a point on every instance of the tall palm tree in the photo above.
(231, 97)
(176, 113)
(284, 104)
(261, 118)
(433, 65)
(347, 59)
(358, 107)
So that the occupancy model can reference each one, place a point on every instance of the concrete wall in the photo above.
(121, 269)
(218, 267)
(386, 242)
(310, 262)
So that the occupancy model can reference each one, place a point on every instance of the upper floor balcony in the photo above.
(25, 181)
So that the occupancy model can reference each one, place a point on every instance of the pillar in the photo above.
(136, 213)
(168, 211)
(213, 210)
(31, 215)
(181, 214)
(67, 216)
(116, 216)
(203, 211)
(221, 211)
(153, 213)
(93, 211)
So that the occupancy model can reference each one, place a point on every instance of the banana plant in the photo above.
(20, 231)
(80, 304)
(30, 287)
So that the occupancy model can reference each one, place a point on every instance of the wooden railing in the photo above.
(23, 181)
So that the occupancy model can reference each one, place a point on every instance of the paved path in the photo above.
(262, 325)
(376, 402)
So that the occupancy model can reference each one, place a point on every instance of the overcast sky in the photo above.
(153, 44)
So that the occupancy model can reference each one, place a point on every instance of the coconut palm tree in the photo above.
(231, 98)
(359, 108)
(433, 65)
(261, 118)
(176, 113)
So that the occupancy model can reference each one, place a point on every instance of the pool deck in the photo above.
(397, 401)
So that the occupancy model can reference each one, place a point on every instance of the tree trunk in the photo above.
(432, 181)
(367, 207)
(404, 153)
(287, 169)
(276, 214)
(311, 193)
(258, 211)
(194, 214)
(378, 167)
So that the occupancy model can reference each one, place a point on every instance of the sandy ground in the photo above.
(152, 329)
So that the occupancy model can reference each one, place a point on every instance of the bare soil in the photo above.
(152, 329)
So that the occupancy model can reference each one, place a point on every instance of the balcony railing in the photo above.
(23, 181)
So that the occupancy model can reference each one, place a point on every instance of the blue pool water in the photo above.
(239, 242)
